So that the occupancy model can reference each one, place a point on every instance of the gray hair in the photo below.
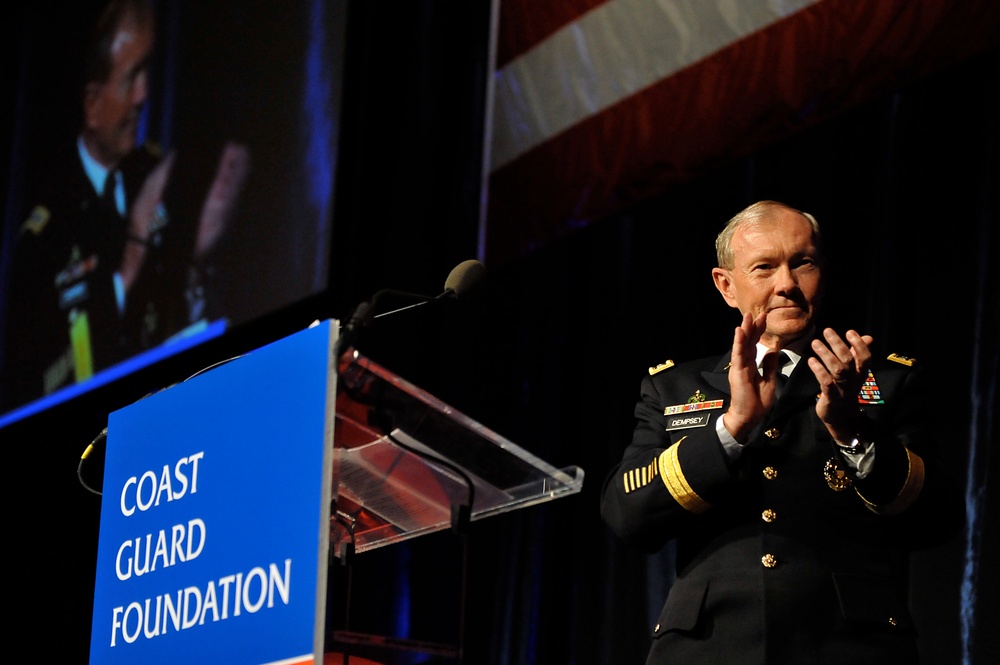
(748, 216)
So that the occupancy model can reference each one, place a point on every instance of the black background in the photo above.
(550, 351)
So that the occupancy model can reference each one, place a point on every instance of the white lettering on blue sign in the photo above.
(194, 605)
(145, 491)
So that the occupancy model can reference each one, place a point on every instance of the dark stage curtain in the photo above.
(550, 353)
(906, 189)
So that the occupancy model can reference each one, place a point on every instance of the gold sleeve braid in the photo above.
(677, 484)
(636, 478)
(908, 494)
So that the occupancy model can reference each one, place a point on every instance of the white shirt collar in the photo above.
(96, 173)
(795, 352)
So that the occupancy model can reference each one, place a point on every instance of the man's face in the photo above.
(111, 108)
(776, 269)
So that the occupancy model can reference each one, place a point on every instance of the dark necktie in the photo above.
(108, 195)
(783, 360)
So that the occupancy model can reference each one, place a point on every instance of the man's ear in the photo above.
(724, 283)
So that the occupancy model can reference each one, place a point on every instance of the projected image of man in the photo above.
(101, 272)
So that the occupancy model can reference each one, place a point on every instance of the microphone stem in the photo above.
(411, 306)
(401, 309)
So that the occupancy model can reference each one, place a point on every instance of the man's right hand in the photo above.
(752, 393)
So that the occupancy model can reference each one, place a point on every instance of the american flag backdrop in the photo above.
(600, 104)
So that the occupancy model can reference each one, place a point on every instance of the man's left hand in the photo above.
(840, 367)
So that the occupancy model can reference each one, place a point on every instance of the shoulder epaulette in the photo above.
(36, 221)
(902, 360)
(667, 364)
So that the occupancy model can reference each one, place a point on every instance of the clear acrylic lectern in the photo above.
(407, 464)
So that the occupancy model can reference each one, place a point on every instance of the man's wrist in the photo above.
(740, 434)
(856, 445)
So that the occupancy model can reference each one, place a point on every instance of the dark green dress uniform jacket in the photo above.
(773, 564)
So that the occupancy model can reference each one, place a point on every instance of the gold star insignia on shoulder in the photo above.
(37, 220)
(902, 360)
(662, 366)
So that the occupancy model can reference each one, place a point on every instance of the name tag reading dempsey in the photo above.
(692, 414)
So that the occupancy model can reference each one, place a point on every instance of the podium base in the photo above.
(336, 658)
(388, 650)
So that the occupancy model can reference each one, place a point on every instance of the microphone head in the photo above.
(464, 277)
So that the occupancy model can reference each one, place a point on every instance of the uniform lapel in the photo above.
(718, 378)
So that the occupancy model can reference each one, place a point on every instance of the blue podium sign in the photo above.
(215, 514)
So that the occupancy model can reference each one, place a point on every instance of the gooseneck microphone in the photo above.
(461, 281)
(463, 278)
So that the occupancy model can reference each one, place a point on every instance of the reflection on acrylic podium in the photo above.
(406, 464)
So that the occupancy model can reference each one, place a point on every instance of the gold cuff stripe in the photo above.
(911, 488)
(636, 478)
(677, 484)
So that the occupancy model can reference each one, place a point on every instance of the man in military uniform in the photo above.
(795, 474)
(99, 271)
(87, 247)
